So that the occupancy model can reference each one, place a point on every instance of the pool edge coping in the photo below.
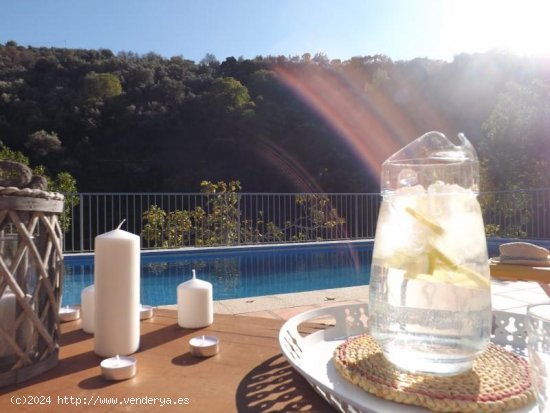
(229, 248)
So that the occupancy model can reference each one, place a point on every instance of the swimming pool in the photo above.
(237, 272)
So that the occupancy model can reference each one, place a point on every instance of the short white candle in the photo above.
(116, 281)
(87, 301)
(7, 321)
(204, 346)
(69, 313)
(195, 303)
(23, 333)
(145, 312)
(118, 368)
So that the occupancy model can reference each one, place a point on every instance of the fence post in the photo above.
(239, 197)
(81, 229)
(355, 218)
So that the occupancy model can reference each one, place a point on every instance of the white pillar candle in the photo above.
(195, 303)
(116, 281)
(87, 301)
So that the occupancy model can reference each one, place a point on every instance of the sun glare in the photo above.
(519, 27)
(526, 27)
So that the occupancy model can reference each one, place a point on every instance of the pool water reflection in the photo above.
(238, 272)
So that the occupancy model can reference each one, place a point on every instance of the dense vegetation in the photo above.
(222, 222)
(146, 123)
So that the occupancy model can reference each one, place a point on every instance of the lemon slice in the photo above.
(449, 277)
(460, 279)
(419, 276)
(433, 226)
(411, 264)
(435, 266)
(440, 275)
(460, 273)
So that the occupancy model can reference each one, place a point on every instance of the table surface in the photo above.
(248, 375)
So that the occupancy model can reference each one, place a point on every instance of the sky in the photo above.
(400, 29)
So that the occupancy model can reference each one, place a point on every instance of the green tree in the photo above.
(221, 225)
(515, 152)
(154, 219)
(221, 221)
(516, 155)
(63, 182)
(11, 155)
(42, 143)
(167, 229)
(228, 95)
(101, 85)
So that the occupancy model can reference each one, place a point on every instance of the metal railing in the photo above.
(522, 214)
(221, 219)
(200, 219)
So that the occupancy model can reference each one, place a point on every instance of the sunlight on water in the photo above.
(239, 273)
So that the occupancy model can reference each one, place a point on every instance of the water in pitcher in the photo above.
(430, 305)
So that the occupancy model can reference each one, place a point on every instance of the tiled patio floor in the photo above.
(513, 296)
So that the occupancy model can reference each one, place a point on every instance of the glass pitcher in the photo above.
(430, 298)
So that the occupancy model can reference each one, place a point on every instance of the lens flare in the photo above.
(289, 167)
(371, 121)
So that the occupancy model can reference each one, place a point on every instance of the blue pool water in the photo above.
(237, 273)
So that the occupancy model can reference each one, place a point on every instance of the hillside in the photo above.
(129, 122)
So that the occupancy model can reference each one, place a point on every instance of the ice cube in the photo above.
(407, 177)
(411, 190)
(439, 187)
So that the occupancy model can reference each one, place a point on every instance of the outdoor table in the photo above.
(513, 272)
(248, 375)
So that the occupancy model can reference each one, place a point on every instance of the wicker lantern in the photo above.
(31, 277)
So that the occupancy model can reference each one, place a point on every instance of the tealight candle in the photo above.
(145, 312)
(204, 346)
(69, 313)
(119, 368)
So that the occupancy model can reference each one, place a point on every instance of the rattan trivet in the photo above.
(499, 380)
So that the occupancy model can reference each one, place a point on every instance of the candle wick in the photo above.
(194, 273)
(203, 340)
(119, 225)
(117, 358)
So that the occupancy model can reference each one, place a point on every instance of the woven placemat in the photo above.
(499, 381)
